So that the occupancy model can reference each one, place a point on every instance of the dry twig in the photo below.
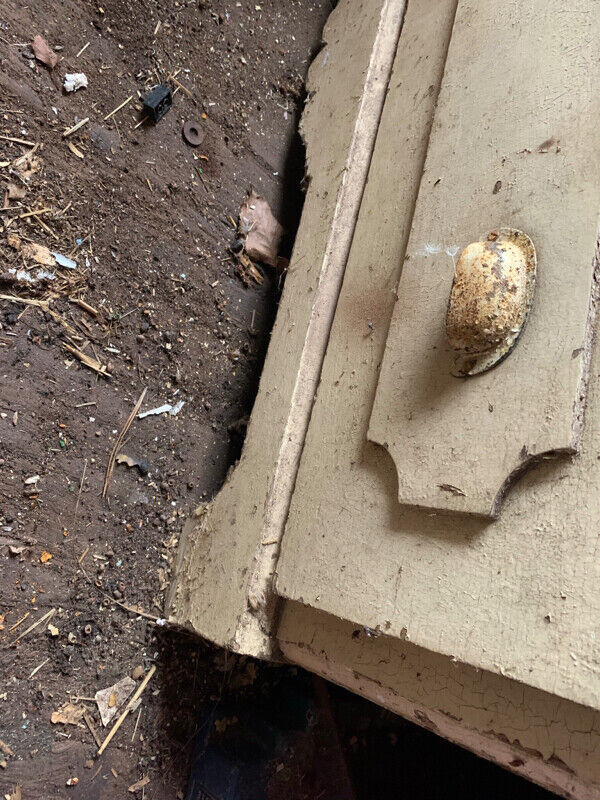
(119, 107)
(75, 127)
(128, 708)
(90, 362)
(117, 446)
(44, 618)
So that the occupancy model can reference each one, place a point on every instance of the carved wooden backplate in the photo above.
(509, 148)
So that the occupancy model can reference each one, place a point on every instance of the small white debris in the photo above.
(111, 699)
(153, 411)
(172, 410)
(32, 480)
(75, 80)
(23, 275)
(43, 274)
(177, 408)
(63, 261)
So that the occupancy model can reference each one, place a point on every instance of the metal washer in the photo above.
(192, 133)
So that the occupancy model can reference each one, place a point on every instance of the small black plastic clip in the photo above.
(157, 102)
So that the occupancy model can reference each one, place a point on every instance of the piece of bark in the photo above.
(39, 253)
(263, 232)
(43, 52)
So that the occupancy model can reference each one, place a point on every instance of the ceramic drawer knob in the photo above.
(490, 299)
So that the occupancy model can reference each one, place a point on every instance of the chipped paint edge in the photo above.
(528, 764)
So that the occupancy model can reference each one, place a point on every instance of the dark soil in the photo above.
(149, 221)
(155, 217)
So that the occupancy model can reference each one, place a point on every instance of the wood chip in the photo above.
(15, 192)
(38, 668)
(75, 127)
(26, 301)
(18, 622)
(34, 214)
(8, 751)
(183, 89)
(91, 363)
(135, 787)
(86, 306)
(75, 150)
(88, 721)
(26, 142)
(38, 253)
(43, 52)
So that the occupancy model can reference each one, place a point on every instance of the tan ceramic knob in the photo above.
(490, 299)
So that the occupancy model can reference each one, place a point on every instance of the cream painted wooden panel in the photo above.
(515, 145)
(550, 741)
(519, 597)
(222, 588)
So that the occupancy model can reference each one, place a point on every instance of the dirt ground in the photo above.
(148, 220)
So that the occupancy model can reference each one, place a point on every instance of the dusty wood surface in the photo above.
(518, 597)
(551, 741)
(222, 587)
(513, 145)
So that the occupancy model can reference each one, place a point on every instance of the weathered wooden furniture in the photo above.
(427, 540)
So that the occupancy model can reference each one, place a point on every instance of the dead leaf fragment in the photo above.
(143, 466)
(15, 192)
(46, 556)
(67, 714)
(111, 699)
(8, 751)
(43, 52)
(262, 231)
(16, 793)
(53, 630)
(14, 241)
(135, 787)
